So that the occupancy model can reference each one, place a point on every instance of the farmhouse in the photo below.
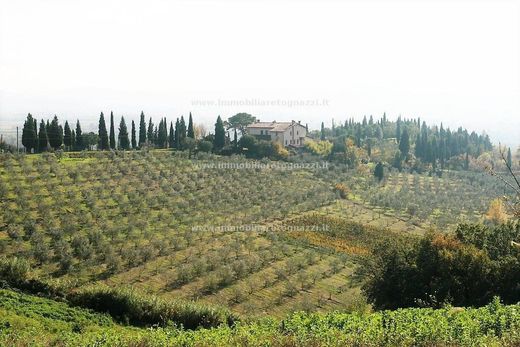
(287, 133)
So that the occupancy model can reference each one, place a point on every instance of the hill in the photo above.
(262, 240)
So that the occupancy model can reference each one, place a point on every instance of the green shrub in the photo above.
(127, 305)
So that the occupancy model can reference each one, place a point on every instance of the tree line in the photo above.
(51, 135)
(433, 145)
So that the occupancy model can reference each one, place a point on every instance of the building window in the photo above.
(261, 132)
(297, 133)
(286, 142)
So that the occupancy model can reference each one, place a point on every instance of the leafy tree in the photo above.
(205, 146)
(240, 121)
(191, 131)
(134, 140)
(55, 134)
(220, 135)
(496, 212)
(43, 141)
(67, 137)
(91, 139)
(379, 171)
(124, 143)
(190, 144)
(102, 133)
(80, 143)
(112, 132)
(142, 130)
(29, 135)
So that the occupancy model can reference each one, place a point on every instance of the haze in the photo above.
(455, 62)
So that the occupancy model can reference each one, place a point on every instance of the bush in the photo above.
(14, 271)
(127, 305)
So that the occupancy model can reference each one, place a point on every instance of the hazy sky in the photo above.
(451, 61)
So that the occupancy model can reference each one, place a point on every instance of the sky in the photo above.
(456, 62)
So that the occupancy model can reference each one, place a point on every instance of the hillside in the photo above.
(243, 238)
(28, 320)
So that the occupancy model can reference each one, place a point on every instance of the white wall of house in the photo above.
(294, 135)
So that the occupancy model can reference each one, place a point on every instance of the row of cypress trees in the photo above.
(51, 135)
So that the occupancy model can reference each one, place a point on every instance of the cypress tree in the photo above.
(182, 132)
(67, 137)
(171, 137)
(379, 171)
(322, 134)
(124, 143)
(509, 158)
(112, 132)
(191, 131)
(79, 138)
(235, 139)
(72, 139)
(43, 141)
(220, 134)
(103, 134)
(134, 141)
(29, 134)
(55, 134)
(142, 130)
(177, 137)
(398, 129)
(149, 133)
(404, 144)
(162, 134)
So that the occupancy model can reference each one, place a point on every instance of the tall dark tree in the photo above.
(112, 132)
(67, 136)
(142, 130)
(220, 134)
(149, 133)
(404, 144)
(73, 139)
(398, 129)
(322, 133)
(191, 131)
(162, 134)
(379, 171)
(177, 137)
(102, 133)
(55, 134)
(80, 144)
(182, 132)
(235, 139)
(134, 141)
(171, 136)
(29, 135)
(124, 143)
(509, 158)
(43, 141)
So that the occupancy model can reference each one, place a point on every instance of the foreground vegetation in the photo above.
(28, 320)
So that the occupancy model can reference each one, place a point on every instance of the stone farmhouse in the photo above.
(289, 134)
